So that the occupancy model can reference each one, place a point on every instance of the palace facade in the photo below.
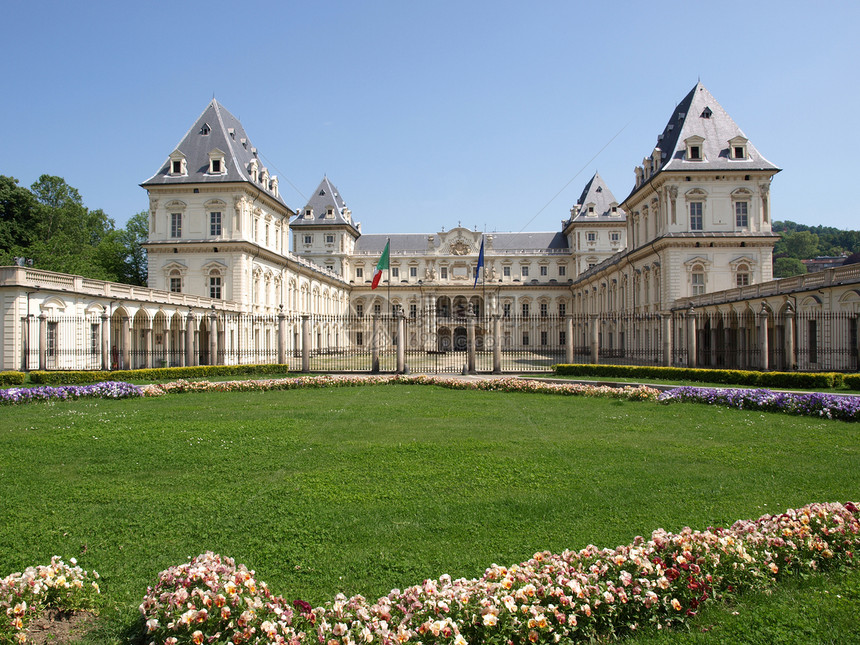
(678, 272)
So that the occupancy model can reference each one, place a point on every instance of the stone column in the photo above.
(282, 336)
(666, 330)
(43, 341)
(594, 337)
(470, 343)
(189, 339)
(691, 338)
(306, 343)
(764, 362)
(125, 353)
(790, 358)
(401, 342)
(374, 346)
(727, 344)
(147, 347)
(105, 341)
(497, 344)
(568, 338)
(213, 338)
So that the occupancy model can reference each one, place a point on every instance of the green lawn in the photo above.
(364, 489)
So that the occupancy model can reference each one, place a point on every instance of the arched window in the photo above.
(215, 284)
(697, 277)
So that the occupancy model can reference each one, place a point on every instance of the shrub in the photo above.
(11, 378)
(797, 380)
(153, 373)
(851, 381)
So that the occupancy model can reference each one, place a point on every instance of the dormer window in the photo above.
(205, 130)
(694, 148)
(309, 214)
(216, 162)
(329, 213)
(738, 148)
(177, 166)
(706, 113)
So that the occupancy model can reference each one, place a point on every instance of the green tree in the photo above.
(122, 254)
(800, 245)
(16, 213)
(786, 267)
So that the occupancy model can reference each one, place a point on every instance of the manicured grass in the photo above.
(364, 489)
(675, 382)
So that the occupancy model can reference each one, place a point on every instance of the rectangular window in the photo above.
(615, 237)
(94, 339)
(216, 165)
(739, 152)
(695, 216)
(698, 284)
(215, 287)
(413, 311)
(359, 310)
(176, 225)
(543, 310)
(175, 285)
(543, 270)
(177, 168)
(544, 338)
(329, 239)
(506, 310)
(215, 223)
(852, 336)
(741, 214)
(309, 239)
(695, 152)
(813, 341)
(395, 272)
(524, 272)
(359, 338)
(359, 272)
(506, 271)
(413, 272)
(743, 279)
(443, 273)
(52, 340)
(562, 309)
(591, 237)
(377, 308)
(562, 270)
(525, 309)
(525, 338)
(562, 338)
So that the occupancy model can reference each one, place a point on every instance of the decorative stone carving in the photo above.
(460, 247)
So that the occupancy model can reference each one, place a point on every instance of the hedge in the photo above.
(11, 378)
(852, 381)
(153, 374)
(799, 380)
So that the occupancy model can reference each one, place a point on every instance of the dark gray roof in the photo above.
(700, 114)
(215, 128)
(529, 241)
(325, 196)
(399, 243)
(596, 193)
(417, 243)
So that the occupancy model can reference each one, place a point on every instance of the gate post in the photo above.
(497, 344)
(764, 363)
(306, 343)
(105, 341)
(568, 338)
(666, 330)
(691, 337)
(470, 341)
(125, 354)
(401, 341)
(790, 360)
(282, 336)
(43, 341)
(374, 346)
(594, 331)
(189, 339)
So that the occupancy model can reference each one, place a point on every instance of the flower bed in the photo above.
(639, 393)
(572, 597)
(106, 390)
(24, 596)
(844, 408)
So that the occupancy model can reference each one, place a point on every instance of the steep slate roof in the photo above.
(408, 242)
(717, 129)
(325, 196)
(597, 192)
(195, 145)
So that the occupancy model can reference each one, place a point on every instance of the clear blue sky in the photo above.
(433, 113)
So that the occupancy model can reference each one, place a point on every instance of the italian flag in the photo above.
(382, 264)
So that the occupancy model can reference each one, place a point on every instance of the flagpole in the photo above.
(390, 304)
